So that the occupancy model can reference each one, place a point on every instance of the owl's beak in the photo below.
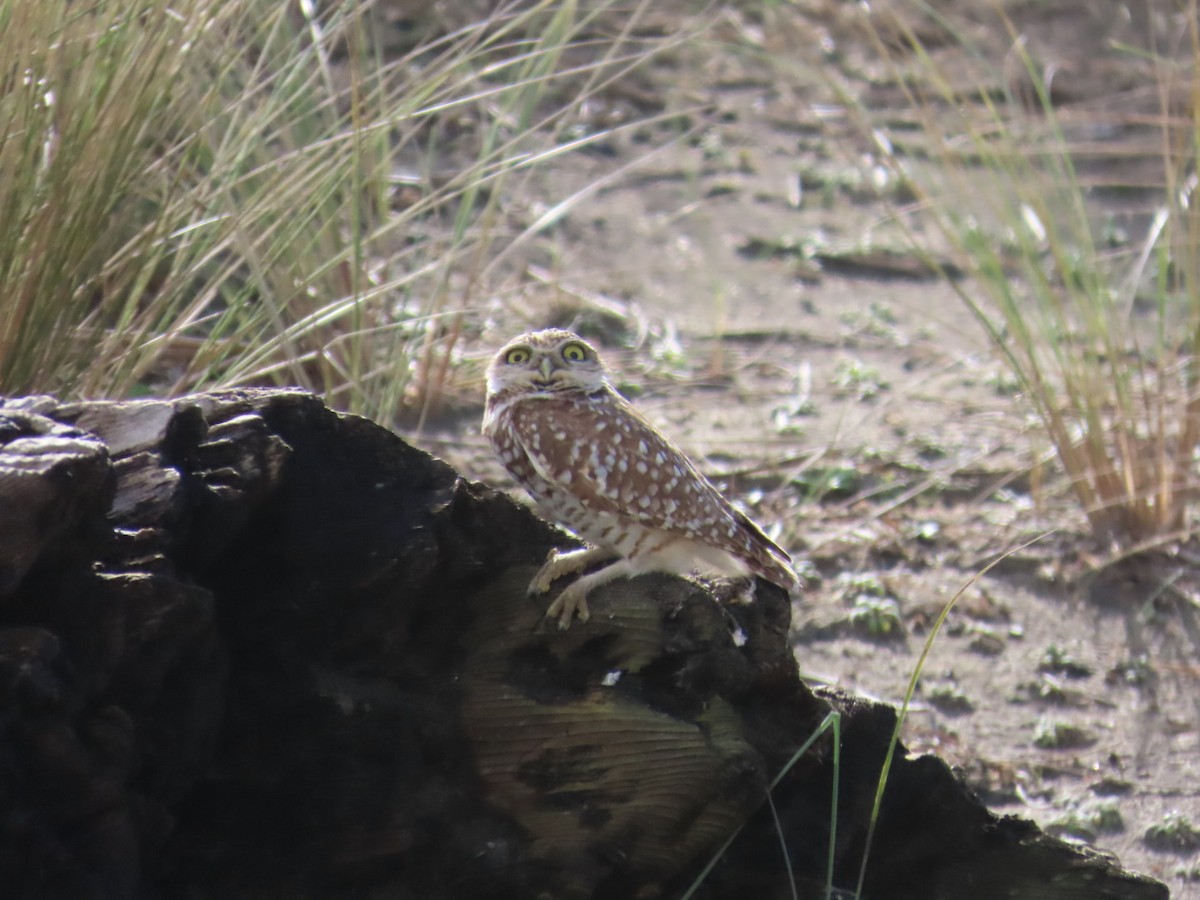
(546, 367)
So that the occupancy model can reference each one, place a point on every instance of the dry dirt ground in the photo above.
(751, 288)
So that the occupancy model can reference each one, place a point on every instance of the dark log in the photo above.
(252, 648)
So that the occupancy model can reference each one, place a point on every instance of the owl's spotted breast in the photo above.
(599, 468)
(615, 462)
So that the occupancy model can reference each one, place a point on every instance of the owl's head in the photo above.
(546, 362)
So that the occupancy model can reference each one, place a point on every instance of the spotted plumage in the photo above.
(592, 463)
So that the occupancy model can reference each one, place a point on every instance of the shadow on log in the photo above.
(251, 648)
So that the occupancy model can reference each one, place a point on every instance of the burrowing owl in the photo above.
(591, 462)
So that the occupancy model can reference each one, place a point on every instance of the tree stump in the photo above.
(252, 648)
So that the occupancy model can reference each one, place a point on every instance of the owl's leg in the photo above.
(568, 563)
(573, 598)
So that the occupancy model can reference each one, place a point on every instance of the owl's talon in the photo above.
(545, 577)
(566, 606)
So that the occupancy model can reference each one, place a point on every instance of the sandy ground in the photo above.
(849, 401)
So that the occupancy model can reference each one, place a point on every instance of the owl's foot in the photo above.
(573, 599)
(566, 605)
(568, 563)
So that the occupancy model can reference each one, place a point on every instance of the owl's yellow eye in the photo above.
(517, 356)
(574, 353)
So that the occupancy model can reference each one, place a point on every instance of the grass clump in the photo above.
(1175, 833)
(203, 194)
(1100, 326)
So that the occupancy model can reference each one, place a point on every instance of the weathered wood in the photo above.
(252, 648)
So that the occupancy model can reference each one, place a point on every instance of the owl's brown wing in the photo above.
(599, 449)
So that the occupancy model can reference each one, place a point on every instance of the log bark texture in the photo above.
(252, 648)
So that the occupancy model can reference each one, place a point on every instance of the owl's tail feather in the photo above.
(769, 561)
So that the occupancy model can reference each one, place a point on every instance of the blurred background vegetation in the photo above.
(204, 194)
